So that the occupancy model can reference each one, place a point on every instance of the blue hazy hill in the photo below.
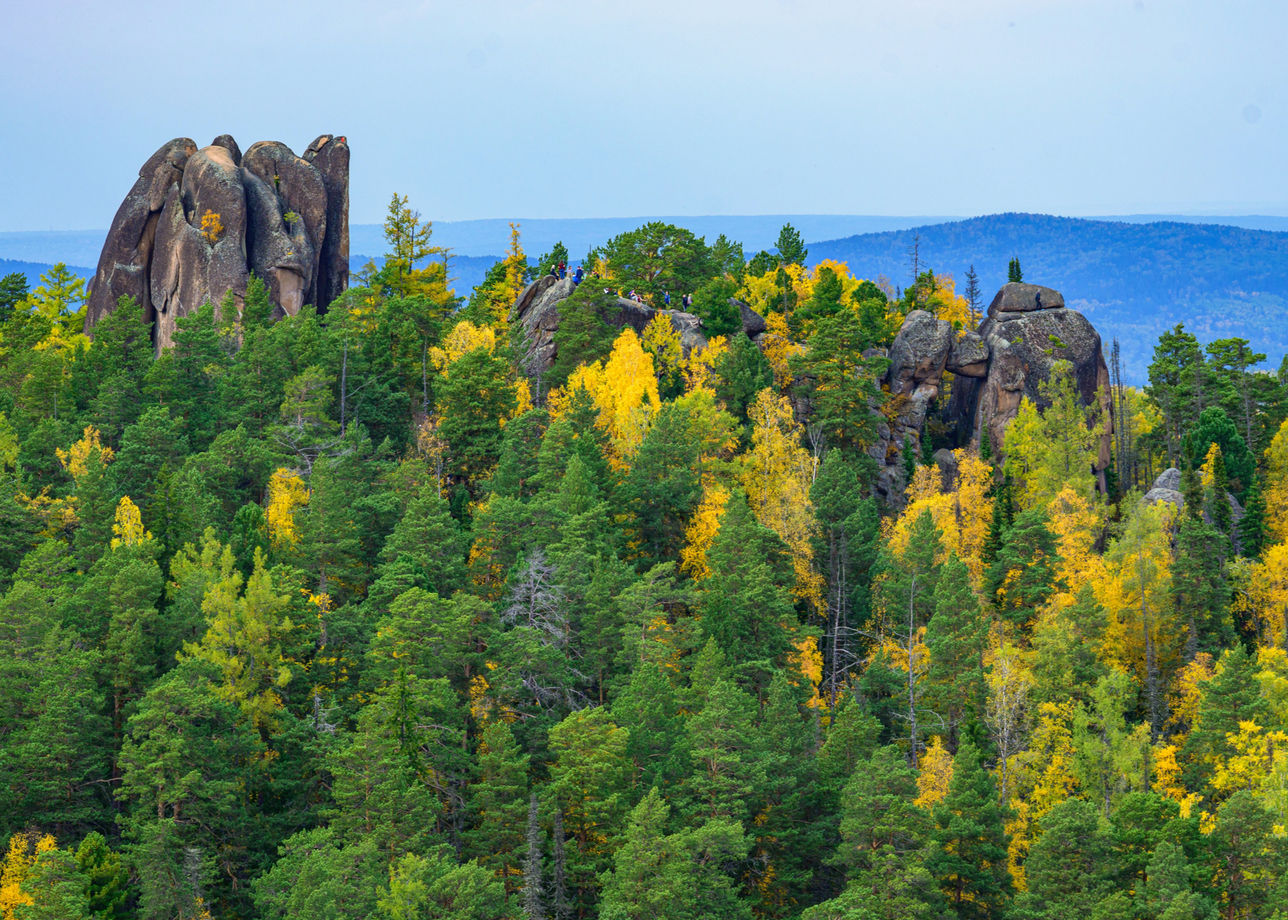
(1132, 279)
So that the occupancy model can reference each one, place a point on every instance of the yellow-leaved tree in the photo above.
(962, 515)
(700, 368)
(287, 493)
(702, 530)
(1276, 491)
(1143, 635)
(1076, 520)
(624, 391)
(1054, 449)
(244, 640)
(1041, 778)
(1261, 593)
(127, 529)
(777, 475)
(24, 850)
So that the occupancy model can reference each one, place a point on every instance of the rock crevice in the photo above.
(198, 221)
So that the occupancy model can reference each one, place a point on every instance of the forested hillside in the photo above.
(343, 616)
(1133, 280)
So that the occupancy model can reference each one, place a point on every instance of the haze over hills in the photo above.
(1133, 280)
(1134, 276)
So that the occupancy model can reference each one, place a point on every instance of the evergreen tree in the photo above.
(746, 605)
(1013, 272)
(970, 841)
(497, 804)
(790, 246)
(1252, 526)
(1023, 575)
(1199, 587)
(956, 637)
(1070, 866)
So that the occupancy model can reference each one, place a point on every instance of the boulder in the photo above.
(330, 156)
(1024, 341)
(199, 240)
(753, 324)
(946, 460)
(1018, 297)
(919, 353)
(1166, 488)
(969, 356)
(197, 222)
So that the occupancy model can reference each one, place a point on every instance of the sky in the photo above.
(585, 108)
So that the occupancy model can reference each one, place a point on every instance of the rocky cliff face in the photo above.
(537, 310)
(198, 221)
(1028, 329)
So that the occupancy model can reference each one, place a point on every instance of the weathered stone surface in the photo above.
(1166, 488)
(947, 463)
(330, 156)
(969, 356)
(753, 324)
(160, 252)
(123, 265)
(919, 353)
(537, 310)
(1018, 297)
(1027, 330)
(192, 262)
(297, 184)
(228, 143)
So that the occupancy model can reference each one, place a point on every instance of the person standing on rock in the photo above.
(577, 276)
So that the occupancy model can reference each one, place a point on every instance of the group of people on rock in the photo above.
(559, 271)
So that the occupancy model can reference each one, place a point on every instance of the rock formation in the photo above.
(1028, 329)
(537, 310)
(198, 221)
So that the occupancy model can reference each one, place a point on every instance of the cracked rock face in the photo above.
(1028, 329)
(198, 221)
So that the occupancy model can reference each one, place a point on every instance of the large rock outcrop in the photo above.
(198, 221)
(537, 311)
(1027, 329)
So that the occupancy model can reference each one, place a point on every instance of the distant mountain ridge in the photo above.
(1133, 276)
(1133, 280)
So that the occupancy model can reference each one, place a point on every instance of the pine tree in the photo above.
(1199, 587)
(497, 804)
(969, 856)
(1070, 867)
(973, 294)
(1013, 273)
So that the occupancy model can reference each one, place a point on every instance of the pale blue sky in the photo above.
(579, 109)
